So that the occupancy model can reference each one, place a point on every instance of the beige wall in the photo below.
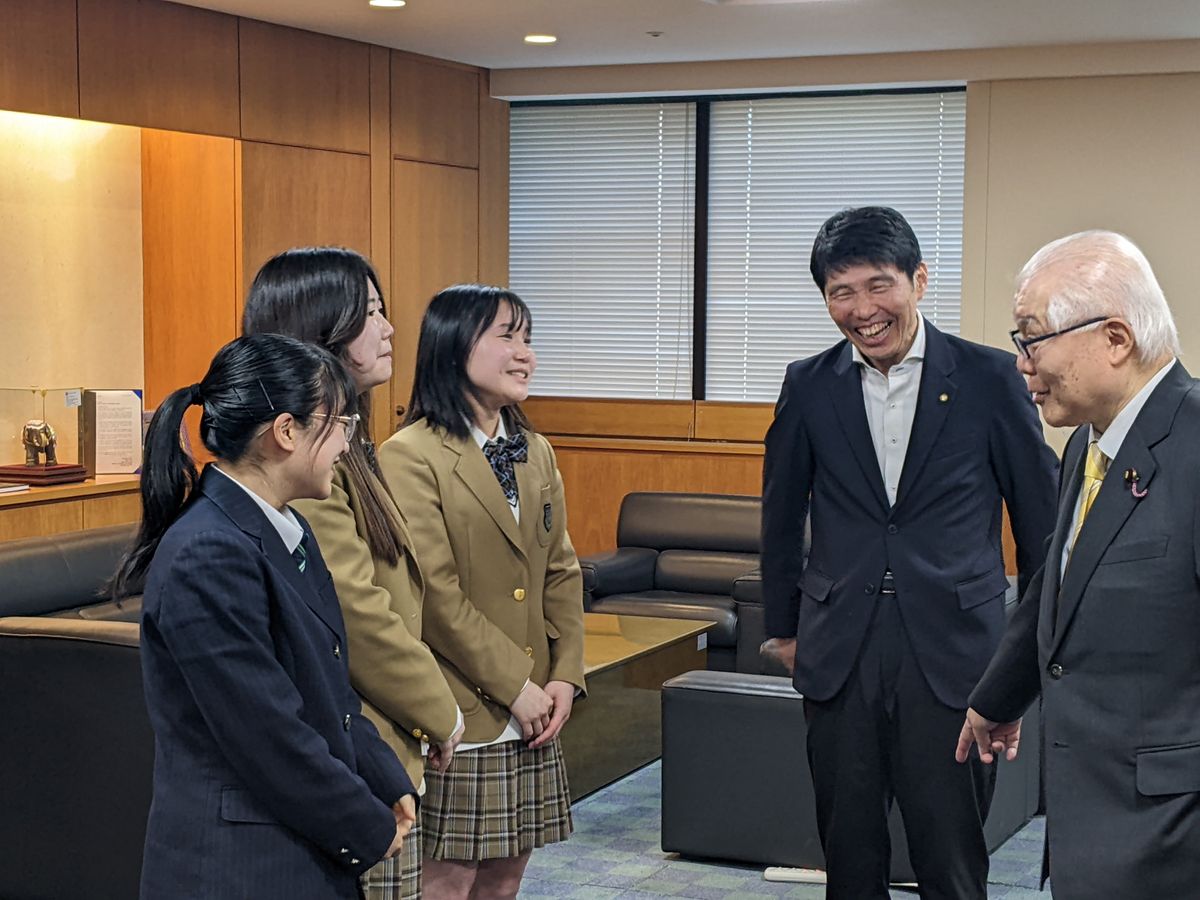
(71, 284)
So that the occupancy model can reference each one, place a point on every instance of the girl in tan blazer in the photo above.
(504, 599)
(331, 297)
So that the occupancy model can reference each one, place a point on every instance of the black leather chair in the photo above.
(78, 759)
(678, 556)
(62, 575)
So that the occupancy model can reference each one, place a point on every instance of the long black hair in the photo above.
(454, 321)
(251, 381)
(319, 295)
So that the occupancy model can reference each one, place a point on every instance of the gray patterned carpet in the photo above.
(615, 852)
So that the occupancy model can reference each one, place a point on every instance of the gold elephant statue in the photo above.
(38, 437)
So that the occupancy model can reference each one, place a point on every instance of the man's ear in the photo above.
(921, 279)
(1120, 340)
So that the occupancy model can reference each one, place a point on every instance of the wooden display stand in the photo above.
(42, 474)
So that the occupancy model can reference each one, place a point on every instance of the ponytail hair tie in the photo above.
(194, 397)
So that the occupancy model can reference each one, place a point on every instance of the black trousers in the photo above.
(885, 737)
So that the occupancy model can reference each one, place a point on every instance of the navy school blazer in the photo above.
(268, 781)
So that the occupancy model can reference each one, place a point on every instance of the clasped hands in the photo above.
(405, 811)
(542, 712)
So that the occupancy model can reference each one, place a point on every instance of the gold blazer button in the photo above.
(529, 651)
(418, 733)
(519, 594)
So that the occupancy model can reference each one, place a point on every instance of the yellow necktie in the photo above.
(1093, 475)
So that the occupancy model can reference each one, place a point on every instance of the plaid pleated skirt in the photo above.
(496, 802)
(398, 878)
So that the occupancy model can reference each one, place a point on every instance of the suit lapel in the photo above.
(936, 395)
(849, 405)
(1115, 501)
(243, 512)
(1068, 496)
(476, 473)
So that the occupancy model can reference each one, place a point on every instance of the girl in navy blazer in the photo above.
(268, 782)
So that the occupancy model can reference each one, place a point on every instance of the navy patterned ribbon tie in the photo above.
(300, 555)
(501, 454)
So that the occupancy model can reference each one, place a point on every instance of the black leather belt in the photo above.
(888, 584)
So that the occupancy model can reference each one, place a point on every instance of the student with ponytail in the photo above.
(331, 297)
(268, 781)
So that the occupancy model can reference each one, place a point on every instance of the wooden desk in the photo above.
(617, 728)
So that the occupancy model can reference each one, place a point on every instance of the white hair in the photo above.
(1102, 273)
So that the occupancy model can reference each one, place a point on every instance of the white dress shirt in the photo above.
(1110, 443)
(891, 403)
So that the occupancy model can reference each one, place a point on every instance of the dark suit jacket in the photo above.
(268, 783)
(1115, 652)
(975, 440)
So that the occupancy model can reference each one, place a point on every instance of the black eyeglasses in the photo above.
(1023, 344)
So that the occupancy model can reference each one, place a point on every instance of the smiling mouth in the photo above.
(874, 330)
(520, 373)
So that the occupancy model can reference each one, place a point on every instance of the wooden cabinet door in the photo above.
(435, 243)
(296, 197)
(435, 111)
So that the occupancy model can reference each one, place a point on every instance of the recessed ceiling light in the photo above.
(540, 39)
(387, 3)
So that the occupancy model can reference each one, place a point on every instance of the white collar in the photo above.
(289, 528)
(916, 351)
(480, 438)
(1110, 442)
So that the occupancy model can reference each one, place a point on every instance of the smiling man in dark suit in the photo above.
(902, 442)
(1109, 632)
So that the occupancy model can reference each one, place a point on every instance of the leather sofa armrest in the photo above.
(748, 588)
(620, 571)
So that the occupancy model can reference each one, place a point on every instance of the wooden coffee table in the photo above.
(617, 728)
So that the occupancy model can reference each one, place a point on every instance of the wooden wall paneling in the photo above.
(162, 65)
(493, 186)
(112, 509)
(435, 243)
(296, 197)
(40, 519)
(189, 267)
(596, 479)
(39, 70)
(383, 407)
(732, 421)
(435, 111)
(304, 89)
(615, 418)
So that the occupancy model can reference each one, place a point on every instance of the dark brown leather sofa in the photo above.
(678, 556)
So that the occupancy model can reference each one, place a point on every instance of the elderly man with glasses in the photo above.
(1108, 632)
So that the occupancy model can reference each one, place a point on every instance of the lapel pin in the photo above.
(1131, 479)
(943, 397)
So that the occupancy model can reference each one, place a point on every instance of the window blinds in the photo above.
(601, 245)
(778, 169)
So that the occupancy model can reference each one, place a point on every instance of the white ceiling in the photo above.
(489, 32)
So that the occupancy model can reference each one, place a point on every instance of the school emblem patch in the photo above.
(547, 516)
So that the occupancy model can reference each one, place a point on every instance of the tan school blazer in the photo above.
(503, 602)
(400, 682)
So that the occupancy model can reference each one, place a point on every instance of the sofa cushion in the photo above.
(670, 521)
(701, 571)
(677, 605)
